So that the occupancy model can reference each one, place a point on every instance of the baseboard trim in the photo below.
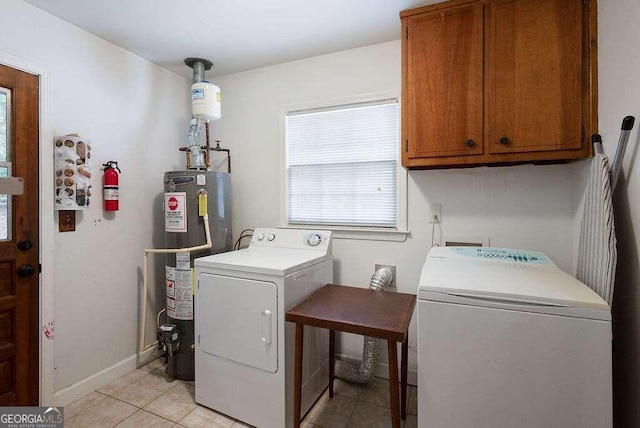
(86, 386)
(382, 369)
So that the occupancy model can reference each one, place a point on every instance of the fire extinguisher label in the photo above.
(179, 293)
(110, 193)
(175, 212)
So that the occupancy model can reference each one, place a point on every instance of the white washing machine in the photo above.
(506, 339)
(245, 351)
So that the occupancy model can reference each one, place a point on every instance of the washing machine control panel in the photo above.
(503, 254)
(292, 238)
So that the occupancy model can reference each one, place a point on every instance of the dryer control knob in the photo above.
(271, 237)
(314, 240)
(260, 236)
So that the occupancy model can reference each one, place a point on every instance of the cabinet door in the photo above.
(442, 69)
(535, 75)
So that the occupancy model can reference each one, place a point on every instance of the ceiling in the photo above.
(236, 35)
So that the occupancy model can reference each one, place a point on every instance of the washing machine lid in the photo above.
(502, 277)
(261, 260)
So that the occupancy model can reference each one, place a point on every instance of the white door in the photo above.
(238, 320)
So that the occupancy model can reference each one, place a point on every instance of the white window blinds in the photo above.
(341, 165)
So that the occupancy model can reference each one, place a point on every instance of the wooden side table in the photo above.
(380, 314)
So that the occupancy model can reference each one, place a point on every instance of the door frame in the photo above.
(46, 222)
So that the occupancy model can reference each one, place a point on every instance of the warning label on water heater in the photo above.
(175, 212)
(183, 261)
(179, 293)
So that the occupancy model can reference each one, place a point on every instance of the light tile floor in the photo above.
(147, 398)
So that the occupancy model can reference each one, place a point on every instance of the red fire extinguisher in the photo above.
(110, 185)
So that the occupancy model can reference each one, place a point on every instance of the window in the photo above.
(5, 166)
(341, 168)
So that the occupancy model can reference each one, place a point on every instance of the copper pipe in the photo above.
(207, 160)
(217, 148)
(188, 158)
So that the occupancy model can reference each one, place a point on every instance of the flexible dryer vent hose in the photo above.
(363, 373)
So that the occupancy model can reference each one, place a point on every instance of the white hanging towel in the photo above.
(597, 255)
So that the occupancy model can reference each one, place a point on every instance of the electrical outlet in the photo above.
(435, 213)
(393, 269)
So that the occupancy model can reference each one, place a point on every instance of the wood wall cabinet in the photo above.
(498, 82)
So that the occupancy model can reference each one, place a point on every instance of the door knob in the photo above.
(25, 271)
(25, 245)
(470, 143)
(504, 141)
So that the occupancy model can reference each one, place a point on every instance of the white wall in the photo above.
(531, 207)
(133, 112)
(619, 96)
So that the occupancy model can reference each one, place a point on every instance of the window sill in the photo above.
(366, 234)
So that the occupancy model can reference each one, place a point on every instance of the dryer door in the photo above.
(238, 320)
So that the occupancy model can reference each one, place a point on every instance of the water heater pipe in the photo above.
(381, 279)
(146, 252)
(198, 71)
(199, 65)
(197, 157)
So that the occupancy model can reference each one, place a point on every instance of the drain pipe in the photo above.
(145, 276)
(363, 373)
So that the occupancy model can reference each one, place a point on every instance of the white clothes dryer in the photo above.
(244, 349)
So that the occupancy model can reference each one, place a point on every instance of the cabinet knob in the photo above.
(470, 143)
(504, 141)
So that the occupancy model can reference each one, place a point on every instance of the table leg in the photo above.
(403, 372)
(393, 384)
(332, 359)
(297, 376)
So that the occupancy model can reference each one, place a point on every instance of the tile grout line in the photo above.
(148, 372)
(412, 391)
(167, 391)
(108, 396)
(90, 406)
(355, 407)
(133, 405)
(123, 387)
(155, 414)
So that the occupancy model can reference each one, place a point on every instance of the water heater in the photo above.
(192, 197)
(183, 229)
